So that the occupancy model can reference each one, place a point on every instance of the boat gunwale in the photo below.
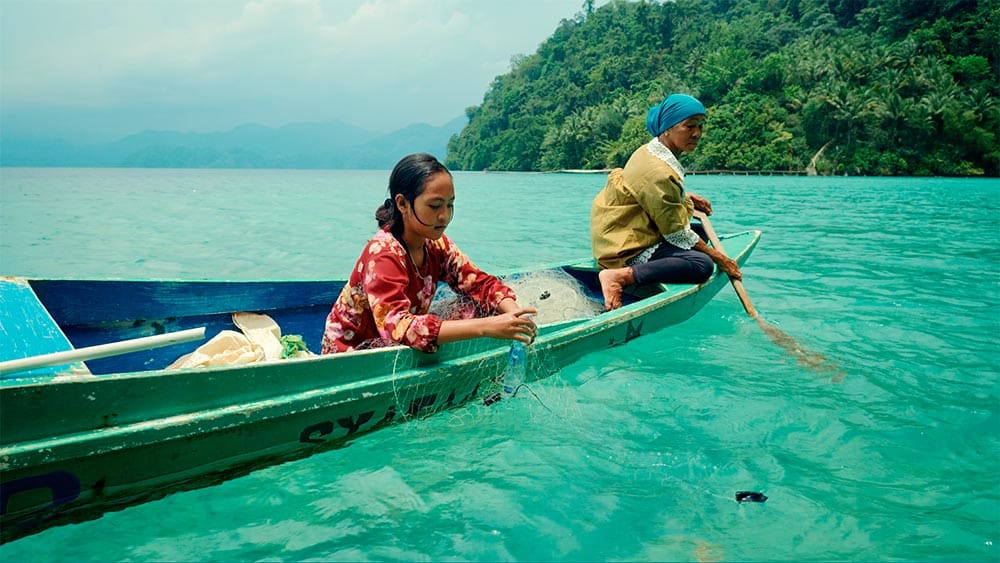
(604, 319)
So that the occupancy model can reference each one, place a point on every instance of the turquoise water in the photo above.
(634, 453)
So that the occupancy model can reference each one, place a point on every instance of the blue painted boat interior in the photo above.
(307, 322)
(93, 312)
(99, 312)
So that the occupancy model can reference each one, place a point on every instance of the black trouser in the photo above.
(672, 264)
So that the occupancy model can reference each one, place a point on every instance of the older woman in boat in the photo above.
(387, 299)
(640, 223)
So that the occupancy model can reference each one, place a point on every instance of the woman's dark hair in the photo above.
(408, 177)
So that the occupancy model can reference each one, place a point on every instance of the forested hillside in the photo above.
(859, 87)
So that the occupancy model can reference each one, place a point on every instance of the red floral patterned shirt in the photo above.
(387, 299)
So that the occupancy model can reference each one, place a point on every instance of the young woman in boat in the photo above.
(387, 299)
(640, 223)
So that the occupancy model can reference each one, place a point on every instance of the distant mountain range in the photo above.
(298, 145)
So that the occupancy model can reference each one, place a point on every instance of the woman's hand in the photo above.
(729, 266)
(513, 325)
(700, 203)
(510, 323)
(725, 263)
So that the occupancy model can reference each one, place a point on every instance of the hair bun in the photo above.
(386, 213)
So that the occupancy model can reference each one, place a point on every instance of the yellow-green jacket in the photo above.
(638, 206)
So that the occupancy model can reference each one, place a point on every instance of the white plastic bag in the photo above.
(227, 347)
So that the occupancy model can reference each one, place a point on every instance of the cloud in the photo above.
(380, 64)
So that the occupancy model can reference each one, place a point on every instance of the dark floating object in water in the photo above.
(489, 400)
(750, 496)
(545, 295)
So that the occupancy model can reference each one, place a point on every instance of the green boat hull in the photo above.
(74, 448)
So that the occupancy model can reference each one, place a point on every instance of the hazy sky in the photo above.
(108, 68)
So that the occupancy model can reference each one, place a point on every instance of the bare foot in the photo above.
(612, 284)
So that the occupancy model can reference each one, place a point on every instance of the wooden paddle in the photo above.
(809, 359)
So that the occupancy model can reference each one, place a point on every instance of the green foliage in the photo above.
(890, 87)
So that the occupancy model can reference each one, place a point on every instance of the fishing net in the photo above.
(557, 295)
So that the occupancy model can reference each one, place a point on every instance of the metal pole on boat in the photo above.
(102, 350)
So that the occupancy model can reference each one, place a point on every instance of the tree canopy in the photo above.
(874, 87)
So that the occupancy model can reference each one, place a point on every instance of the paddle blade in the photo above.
(807, 358)
(811, 360)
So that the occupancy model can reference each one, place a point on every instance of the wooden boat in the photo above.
(73, 446)
(583, 171)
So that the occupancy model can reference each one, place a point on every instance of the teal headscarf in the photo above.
(673, 110)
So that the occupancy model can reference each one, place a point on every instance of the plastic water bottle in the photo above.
(516, 367)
